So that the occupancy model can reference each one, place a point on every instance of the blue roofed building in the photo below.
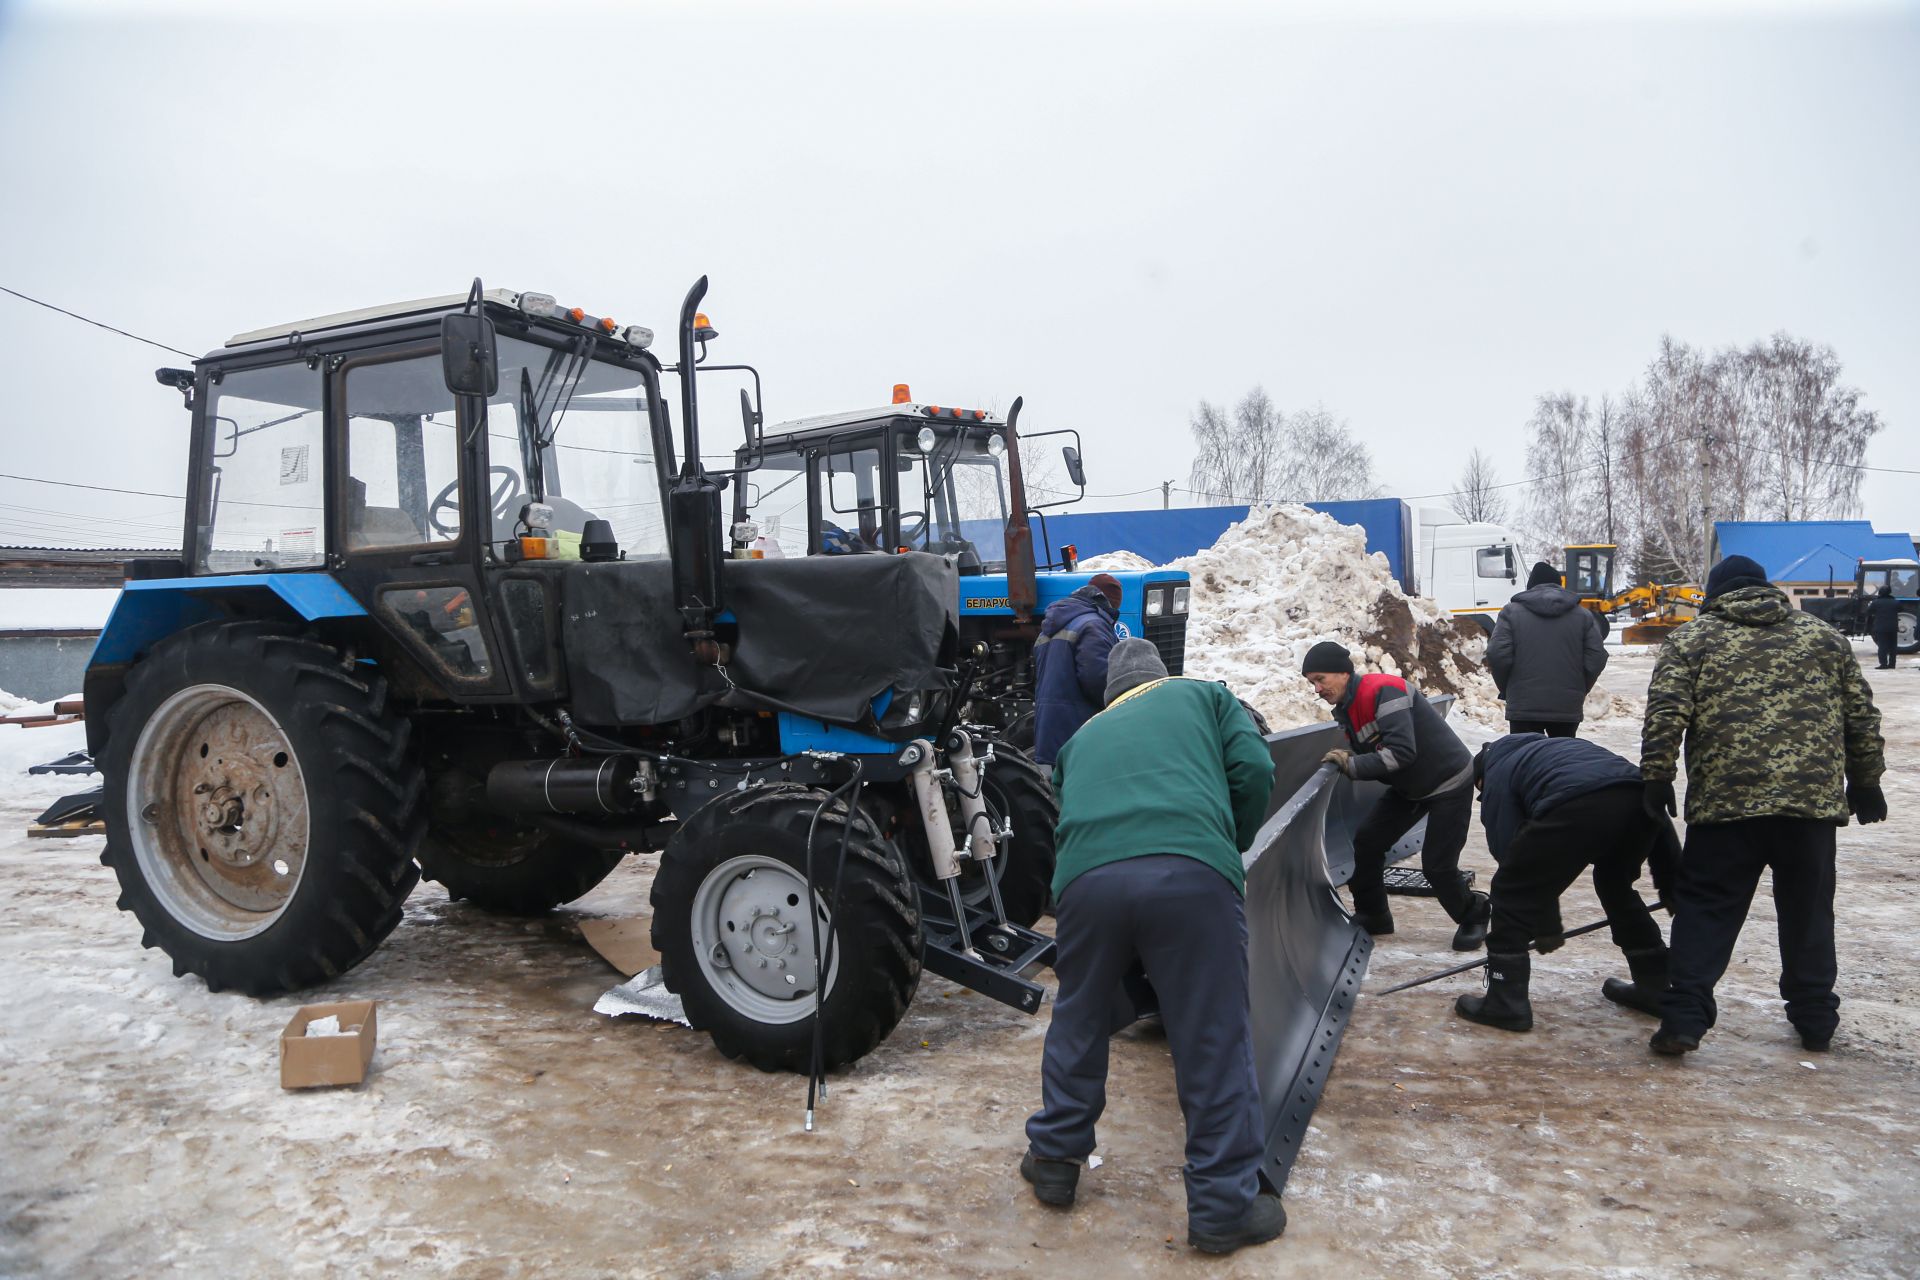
(1807, 557)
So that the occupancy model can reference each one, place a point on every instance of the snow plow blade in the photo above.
(1305, 955)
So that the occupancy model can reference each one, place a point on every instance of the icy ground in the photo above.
(508, 1131)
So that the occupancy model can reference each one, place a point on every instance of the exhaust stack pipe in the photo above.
(693, 511)
(1023, 591)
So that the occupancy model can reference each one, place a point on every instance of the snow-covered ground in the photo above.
(508, 1131)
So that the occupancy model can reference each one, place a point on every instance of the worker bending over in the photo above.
(1399, 739)
(1159, 796)
(1552, 808)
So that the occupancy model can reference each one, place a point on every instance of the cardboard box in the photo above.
(309, 1061)
(627, 945)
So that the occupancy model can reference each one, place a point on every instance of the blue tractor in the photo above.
(911, 478)
(449, 606)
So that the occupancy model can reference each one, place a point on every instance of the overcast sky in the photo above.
(1113, 211)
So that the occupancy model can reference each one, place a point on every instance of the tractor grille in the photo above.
(1169, 636)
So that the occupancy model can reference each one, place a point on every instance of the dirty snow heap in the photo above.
(1287, 577)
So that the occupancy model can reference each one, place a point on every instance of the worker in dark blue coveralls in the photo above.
(1070, 663)
(1160, 794)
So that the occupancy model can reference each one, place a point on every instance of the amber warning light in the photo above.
(901, 395)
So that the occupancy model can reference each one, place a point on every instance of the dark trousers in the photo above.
(1552, 728)
(1448, 816)
(1889, 652)
(1607, 830)
(1718, 875)
(1188, 926)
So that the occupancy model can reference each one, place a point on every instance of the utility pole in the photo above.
(1706, 506)
(1166, 494)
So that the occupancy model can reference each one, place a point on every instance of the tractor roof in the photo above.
(828, 424)
(342, 319)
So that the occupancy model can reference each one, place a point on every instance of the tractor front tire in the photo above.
(1018, 789)
(737, 946)
(263, 806)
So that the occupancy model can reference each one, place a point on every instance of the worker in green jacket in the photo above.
(1782, 743)
(1159, 796)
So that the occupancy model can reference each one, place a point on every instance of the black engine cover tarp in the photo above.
(822, 636)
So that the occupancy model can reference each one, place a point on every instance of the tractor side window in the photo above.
(851, 519)
(266, 472)
(1905, 582)
(403, 456)
(777, 501)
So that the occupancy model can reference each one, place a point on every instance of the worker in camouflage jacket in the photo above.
(1782, 742)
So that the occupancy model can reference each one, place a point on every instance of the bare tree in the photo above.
(1810, 431)
(1477, 492)
(1324, 462)
(1238, 456)
(1560, 465)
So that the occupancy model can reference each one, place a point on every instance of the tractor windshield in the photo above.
(1904, 579)
(580, 430)
(962, 495)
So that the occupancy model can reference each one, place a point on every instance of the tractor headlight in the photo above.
(926, 439)
(1181, 594)
(996, 444)
(1156, 604)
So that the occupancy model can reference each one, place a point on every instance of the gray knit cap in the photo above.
(1132, 663)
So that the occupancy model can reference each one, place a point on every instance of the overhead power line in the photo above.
(96, 323)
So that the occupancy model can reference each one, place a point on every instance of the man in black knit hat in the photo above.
(1545, 655)
(1398, 738)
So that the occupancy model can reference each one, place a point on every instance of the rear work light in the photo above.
(539, 304)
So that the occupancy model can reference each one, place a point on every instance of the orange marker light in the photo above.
(700, 320)
(608, 324)
(576, 315)
(901, 395)
(979, 415)
(934, 409)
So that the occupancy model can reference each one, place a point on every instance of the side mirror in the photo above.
(468, 356)
(750, 419)
(1075, 472)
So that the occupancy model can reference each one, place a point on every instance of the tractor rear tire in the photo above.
(737, 948)
(263, 806)
(513, 871)
(1907, 639)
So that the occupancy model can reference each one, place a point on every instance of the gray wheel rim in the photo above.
(753, 938)
(217, 812)
(1908, 625)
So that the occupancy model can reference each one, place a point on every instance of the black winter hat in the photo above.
(1543, 575)
(1327, 656)
(1733, 573)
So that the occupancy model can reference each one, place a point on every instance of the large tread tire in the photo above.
(364, 794)
(512, 871)
(877, 927)
(1019, 789)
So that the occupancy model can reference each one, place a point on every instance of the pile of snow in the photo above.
(1286, 578)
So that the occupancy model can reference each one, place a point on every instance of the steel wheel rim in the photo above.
(751, 935)
(1908, 627)
(217, 812)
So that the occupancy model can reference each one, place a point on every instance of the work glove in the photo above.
(1549, 942)
(1343, 761)
(1658, 801)
(1867, 802)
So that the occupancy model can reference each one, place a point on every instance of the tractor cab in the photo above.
(1590, 573)
(901, 477)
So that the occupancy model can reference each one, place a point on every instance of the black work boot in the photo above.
(1671, 1043)
(1505, 1005)
(1053, 1181)
(1815, 1041)
(1472, 933)
(1264, 1220)
(1377, 923)
(1649, 970)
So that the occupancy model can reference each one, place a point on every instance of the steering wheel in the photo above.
(506, 487)
(909, 536)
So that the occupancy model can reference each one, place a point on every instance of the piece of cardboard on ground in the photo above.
(627, 945)
(307, 1062)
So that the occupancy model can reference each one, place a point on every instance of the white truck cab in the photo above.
(1469, 568)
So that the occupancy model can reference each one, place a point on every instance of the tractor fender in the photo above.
(150, 610)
